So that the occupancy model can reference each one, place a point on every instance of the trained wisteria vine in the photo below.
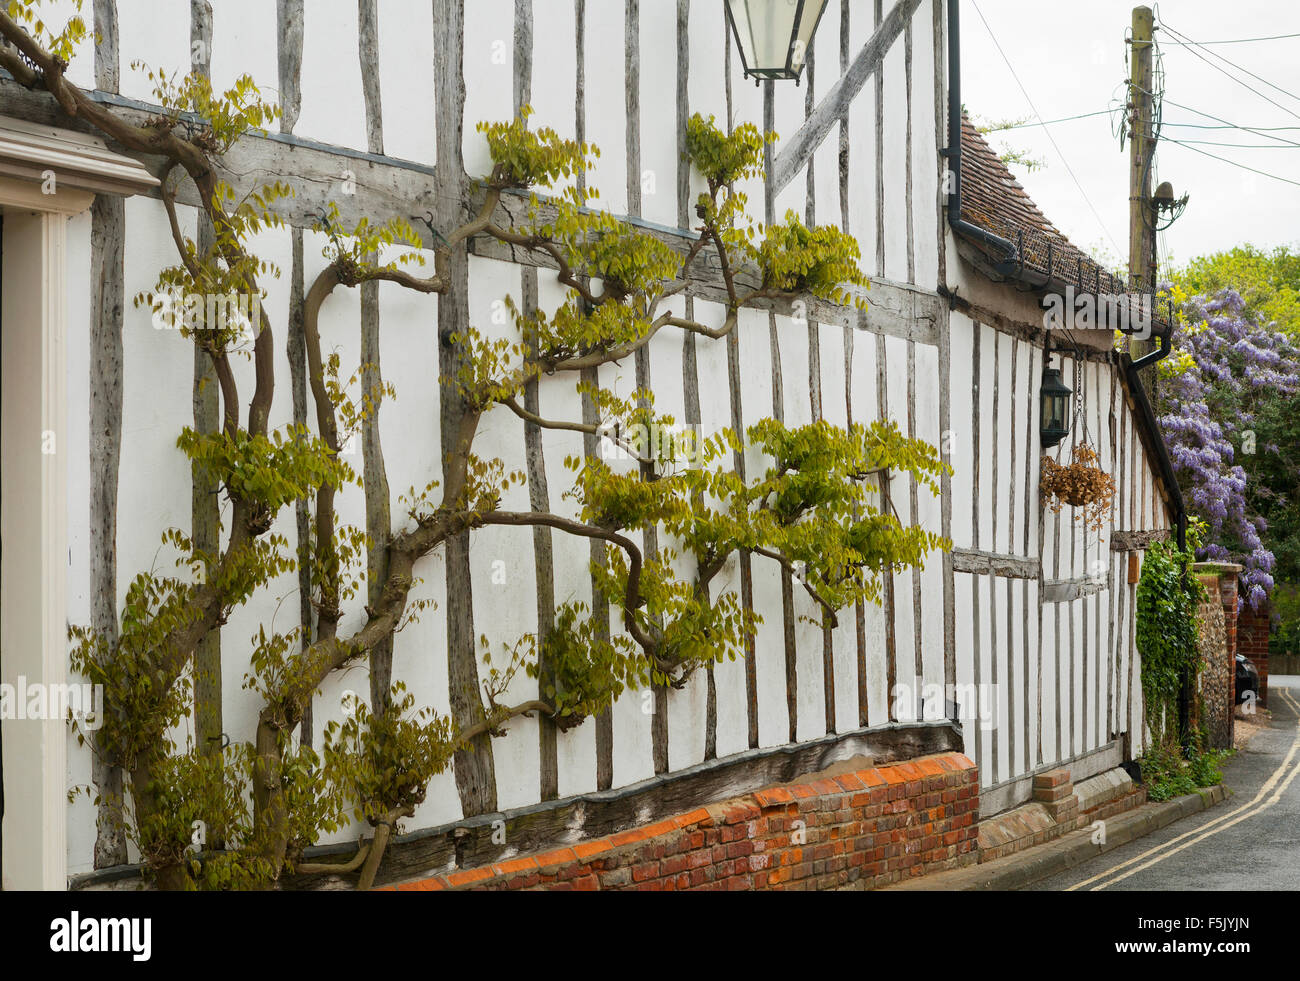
(1227, 370)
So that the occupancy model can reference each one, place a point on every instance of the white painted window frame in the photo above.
(47, 176)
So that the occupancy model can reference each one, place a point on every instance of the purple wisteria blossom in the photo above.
(1225, 364)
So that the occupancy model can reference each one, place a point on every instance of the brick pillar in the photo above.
(1055, 791)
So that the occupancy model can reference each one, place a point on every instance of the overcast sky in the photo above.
(1071, 59)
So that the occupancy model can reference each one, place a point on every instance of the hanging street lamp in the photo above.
(1055, 420)
(774, 35)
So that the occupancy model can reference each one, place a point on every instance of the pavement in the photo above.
(1243, 834)
(1250, 843)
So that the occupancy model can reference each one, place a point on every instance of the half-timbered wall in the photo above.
(1044, 605)
(1026, 602)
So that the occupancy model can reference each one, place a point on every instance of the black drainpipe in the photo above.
(1010, 254)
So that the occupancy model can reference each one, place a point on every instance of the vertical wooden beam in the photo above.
(1042, 537)
(1061, 693)
(815, 386)
(538, 491)
(769, 152)
(913, 492)
(693, 417)
(683, 112)
(845, 145)
(289, 17)
(886, 502)
(787, 580)
(604, 720)
(746, 558)
(289, 21)
(996, 443)
(368, 52)
(379, 525)
(107, 242)
(940, 83)
(632, 48)
(995, 769)
(599, 602)
(1016, 737)
(860, 611)
(907, 152)
(659, 723)
(632, 67)
(1029, 659)
(204, 487)
(880, 164)
(474, 766)
(1034, 658)
(738, 427)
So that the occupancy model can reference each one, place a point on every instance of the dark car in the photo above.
(1247, 678)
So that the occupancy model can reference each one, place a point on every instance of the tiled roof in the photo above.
(993, 199)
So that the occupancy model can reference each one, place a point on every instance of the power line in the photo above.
(1220, 119)
(1047, 131)
(1050, 122)
(1240, 40)
(1226, 61)
(1250, 129)
(1241, 146)
(1245, 85)
(1215, 156)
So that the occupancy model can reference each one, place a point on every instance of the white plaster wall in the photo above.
(244, 43)
(406, 79)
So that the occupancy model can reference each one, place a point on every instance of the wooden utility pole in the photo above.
(1142, 239)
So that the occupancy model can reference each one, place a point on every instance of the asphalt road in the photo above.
(1249, 842)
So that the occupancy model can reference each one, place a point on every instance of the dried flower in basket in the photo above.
(1081, 484)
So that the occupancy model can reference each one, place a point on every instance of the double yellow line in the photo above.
(1269, 794)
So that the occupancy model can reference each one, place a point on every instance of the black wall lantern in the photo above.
(774, 35)
(1054, 423)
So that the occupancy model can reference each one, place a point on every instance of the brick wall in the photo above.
(858, 829)
(1252, 641)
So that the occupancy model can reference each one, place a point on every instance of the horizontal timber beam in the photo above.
(1137, 541)
(377, 187)
(1065, 590)
(982, 563)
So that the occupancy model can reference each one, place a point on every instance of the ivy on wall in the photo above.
(1167, 633)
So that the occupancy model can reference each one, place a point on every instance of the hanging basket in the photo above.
(1081, 484)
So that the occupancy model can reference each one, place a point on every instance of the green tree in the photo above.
(1268, 280)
